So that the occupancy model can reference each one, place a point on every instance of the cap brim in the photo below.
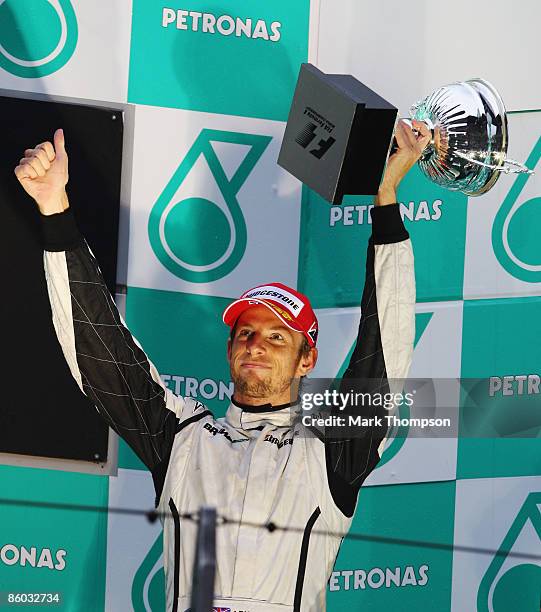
(236, 308)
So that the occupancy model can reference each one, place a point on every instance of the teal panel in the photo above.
(184, 336)
(375, 576)
(332, 251)
(54, 550)
(127, 458)
(500, 430)
(242, 59)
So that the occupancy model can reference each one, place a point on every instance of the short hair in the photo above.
(305, 347)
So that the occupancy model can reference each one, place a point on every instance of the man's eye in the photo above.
(244, 332)
(277, 336)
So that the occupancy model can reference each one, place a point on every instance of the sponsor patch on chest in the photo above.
(222, 431)
(279, 443)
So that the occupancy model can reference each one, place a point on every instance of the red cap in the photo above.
(290, 306)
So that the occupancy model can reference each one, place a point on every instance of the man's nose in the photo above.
(254, 344)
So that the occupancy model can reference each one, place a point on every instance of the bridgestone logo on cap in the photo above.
(288, 300)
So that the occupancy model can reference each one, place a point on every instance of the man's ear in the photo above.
(307, 362)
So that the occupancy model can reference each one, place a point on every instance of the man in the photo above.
(256, 465)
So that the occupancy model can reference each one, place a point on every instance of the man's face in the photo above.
(265, 357)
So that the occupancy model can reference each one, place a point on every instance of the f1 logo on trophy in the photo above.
(333, 117)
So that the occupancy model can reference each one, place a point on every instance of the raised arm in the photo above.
(384, 347)
(107, 362)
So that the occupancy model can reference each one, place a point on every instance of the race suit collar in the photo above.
(244, 416)
(262, 407)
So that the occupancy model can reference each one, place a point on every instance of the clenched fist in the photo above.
(411, 145)
(43, 173)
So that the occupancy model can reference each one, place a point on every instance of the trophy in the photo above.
(339, 135)
(468, 149)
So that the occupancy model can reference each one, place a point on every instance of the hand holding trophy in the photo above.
(411, 140)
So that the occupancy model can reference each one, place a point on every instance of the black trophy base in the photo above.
(338, 135)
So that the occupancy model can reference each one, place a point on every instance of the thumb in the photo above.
(59, 143)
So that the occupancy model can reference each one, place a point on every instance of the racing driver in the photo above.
(256, 464)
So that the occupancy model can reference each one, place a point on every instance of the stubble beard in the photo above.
(258, 389)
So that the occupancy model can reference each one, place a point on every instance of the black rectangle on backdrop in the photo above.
(42, 411)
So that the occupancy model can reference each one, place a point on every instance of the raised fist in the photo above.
(410, 146)
(43, 173)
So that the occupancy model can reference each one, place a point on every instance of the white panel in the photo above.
(98, 69)
(269, 199)
(313, 35)
(486, 512)
(404, 50)
(436, 356)
(129, 539)
(489, 269)
(337, 333)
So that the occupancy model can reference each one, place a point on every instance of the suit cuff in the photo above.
(387, 224)
(60, 232)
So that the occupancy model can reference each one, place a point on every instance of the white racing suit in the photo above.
(254, 465)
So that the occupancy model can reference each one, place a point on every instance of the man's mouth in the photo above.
(254, 365)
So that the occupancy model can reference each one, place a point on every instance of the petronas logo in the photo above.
(515, 232)
(514, 583)
(148, 588)
(201, 239)
(37, 37)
